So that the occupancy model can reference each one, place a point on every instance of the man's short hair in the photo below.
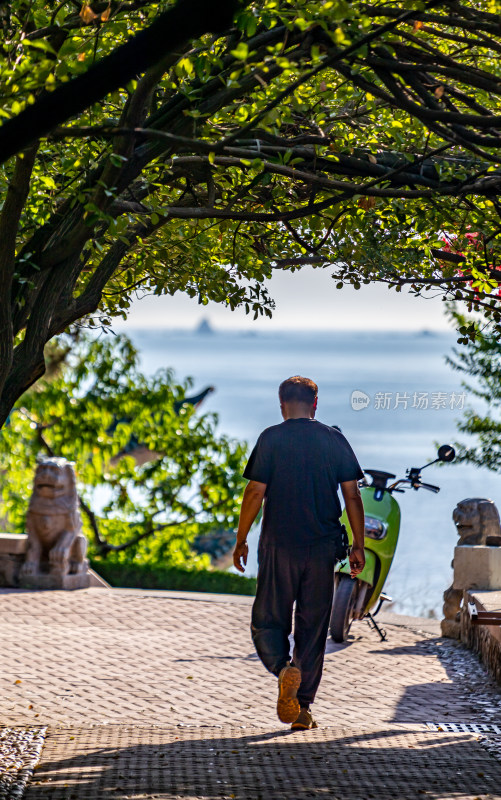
(298, 390)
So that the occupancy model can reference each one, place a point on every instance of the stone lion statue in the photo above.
(56, 544)
(477, 522)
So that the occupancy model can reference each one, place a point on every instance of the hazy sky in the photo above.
(307, 299)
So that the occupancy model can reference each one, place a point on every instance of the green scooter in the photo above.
(362, 597)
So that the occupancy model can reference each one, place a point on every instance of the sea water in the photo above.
(409, 401)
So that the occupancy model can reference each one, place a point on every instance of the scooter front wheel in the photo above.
(342, 608)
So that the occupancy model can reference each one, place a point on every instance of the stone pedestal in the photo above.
(477, 567)
(81, 580)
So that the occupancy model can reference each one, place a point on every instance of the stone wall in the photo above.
(13, 548)
(485, 640)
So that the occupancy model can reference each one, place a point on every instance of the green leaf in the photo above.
(241, 51)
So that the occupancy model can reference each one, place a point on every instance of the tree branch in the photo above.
(188, 19)
(101, 543)
(15, 200)
(151, 531)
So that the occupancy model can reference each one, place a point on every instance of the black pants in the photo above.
(304, 575)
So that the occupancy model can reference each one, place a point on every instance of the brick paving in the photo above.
(258, 763)
(149, 695)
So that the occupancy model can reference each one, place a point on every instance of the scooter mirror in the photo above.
(446, 453)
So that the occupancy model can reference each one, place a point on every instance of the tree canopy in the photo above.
(363, 138)
(480, 363)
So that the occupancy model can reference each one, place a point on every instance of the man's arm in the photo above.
(355, 512)
(251, 503)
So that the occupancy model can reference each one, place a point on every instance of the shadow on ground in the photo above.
(224, 763)
(457, 698)
(463, 690)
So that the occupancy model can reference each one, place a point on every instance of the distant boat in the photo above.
(204, 327)
(426, 332)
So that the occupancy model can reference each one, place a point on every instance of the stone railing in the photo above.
(483, 639)
(477, 580)
(13, 548)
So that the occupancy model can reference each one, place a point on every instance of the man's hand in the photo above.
(240, 554)
(251, 503)
(357, 561)
(355, 512)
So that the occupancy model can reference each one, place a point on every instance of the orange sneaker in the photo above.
(289, 682)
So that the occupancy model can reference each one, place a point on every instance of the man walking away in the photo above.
(296, 468)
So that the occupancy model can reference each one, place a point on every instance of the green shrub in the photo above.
(146, 576)
(153, 473)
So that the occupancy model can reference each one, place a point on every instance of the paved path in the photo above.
(150, 695)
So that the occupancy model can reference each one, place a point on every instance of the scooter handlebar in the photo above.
(430, 487)
(413, 485)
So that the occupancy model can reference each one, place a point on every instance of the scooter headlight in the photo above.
(375, 529)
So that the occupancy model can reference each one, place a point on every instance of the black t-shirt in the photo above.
(302, 461)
